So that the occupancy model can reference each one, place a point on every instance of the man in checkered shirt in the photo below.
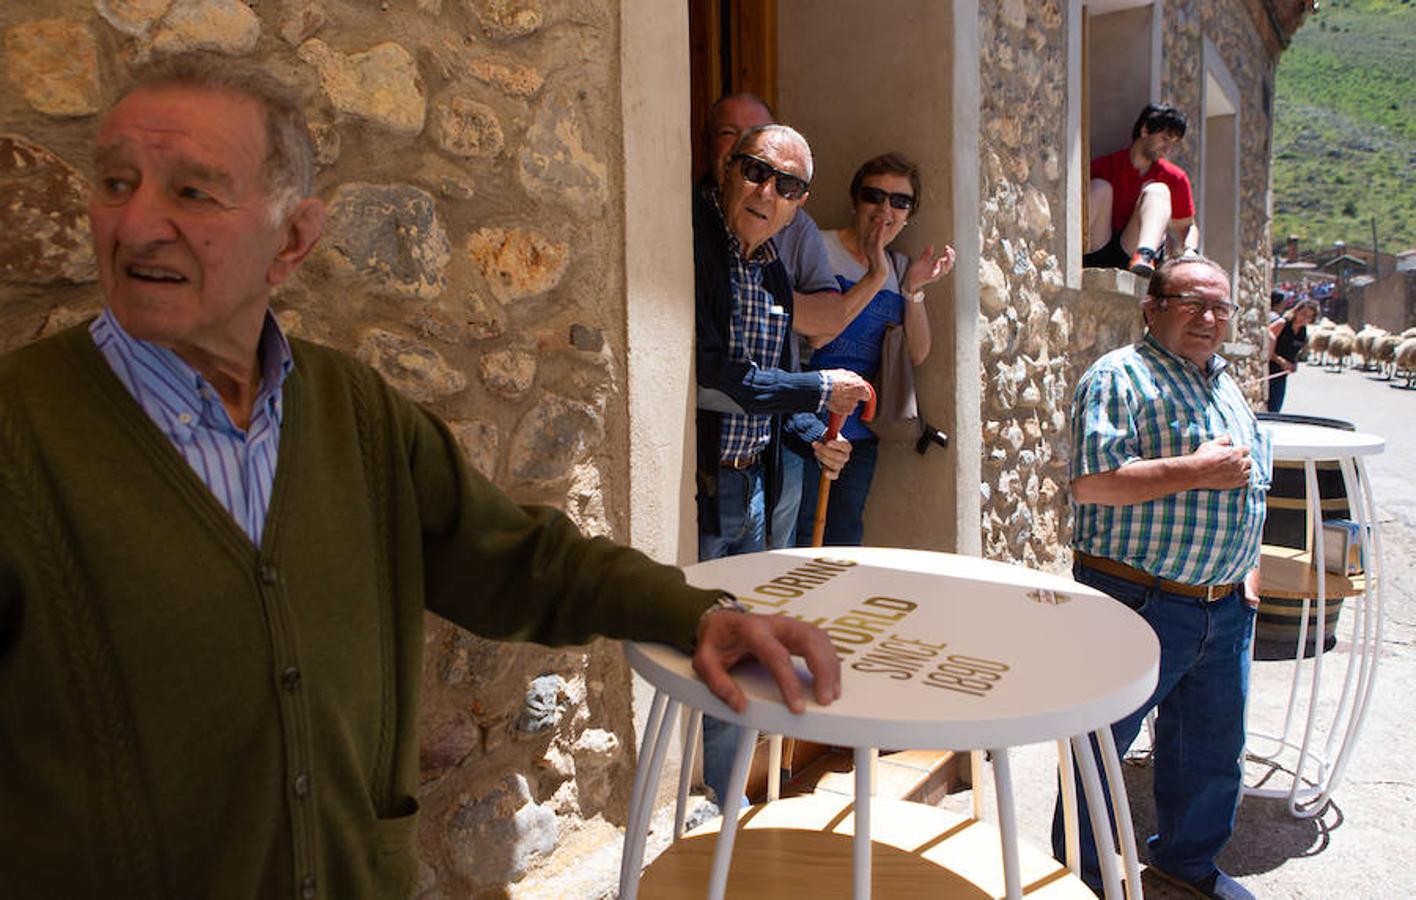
(748, 384)
(1170, 473)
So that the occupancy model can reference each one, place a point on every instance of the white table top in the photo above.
(1296, 441)
(1025, 656)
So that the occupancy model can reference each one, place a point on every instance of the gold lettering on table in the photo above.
(970, 675)
(861, 624)
(795, 582)
(899, 658)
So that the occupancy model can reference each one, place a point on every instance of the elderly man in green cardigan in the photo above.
(217, 544)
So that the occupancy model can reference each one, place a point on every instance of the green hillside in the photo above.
(1345, 126)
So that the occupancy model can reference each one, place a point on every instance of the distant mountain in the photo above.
(1345, 127)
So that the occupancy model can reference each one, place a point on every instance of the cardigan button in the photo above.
(307, 888)
(290, 679)
(302, 785)
(268, 573)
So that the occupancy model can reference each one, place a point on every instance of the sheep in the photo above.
(1316, 348)
(1406, 360)
(1384, 351)
(1365, 344)
(1341, 345)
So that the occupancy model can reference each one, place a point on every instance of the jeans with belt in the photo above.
(1199, 731)
(742, 528)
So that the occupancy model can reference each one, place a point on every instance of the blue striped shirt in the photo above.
(237, 466)
(1144, 402)
(756, 331)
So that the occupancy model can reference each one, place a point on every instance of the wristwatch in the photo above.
(724, 600)
(916, 296)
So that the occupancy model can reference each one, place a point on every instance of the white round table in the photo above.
(1316, 760)
(938, 651)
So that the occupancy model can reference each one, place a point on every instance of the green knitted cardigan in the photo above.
(184, 714)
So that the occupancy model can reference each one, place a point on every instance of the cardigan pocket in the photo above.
(396, 863)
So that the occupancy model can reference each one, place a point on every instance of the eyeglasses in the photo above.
(875, 195)
(1193, 306)
(756, 171)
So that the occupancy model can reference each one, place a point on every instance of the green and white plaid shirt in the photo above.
(1144, 402)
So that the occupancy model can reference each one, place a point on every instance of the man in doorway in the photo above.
(747, 385)
(819, 307)
(1137, 199)
(218, 543)
(1169, 481)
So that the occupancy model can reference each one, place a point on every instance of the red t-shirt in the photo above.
(1126, 184)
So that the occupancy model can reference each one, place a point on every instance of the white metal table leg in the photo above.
(976, 773)
(727, 836)
(774, 768)
(1121, 812)
(1007, 822)
(1067, 780)
(860, 844)
(690, 754)
(1096, 812)
(657, 733)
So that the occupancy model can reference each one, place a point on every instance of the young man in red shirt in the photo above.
(1136, 196)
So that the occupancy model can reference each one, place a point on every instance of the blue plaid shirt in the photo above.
(1144, 402)
(756, 332)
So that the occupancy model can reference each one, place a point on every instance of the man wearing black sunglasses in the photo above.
(749, 388)
(820, 309)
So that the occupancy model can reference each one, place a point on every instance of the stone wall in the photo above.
(1037, 335)
(467, 149)
(1231, 29)
(1026, 312)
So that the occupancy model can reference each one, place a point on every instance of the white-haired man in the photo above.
(218, 544)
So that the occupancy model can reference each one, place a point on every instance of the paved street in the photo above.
(1361, 844)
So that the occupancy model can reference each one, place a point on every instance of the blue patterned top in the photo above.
(857, 347)
(237, 466)
(1144, 402)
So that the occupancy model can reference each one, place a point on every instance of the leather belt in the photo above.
(1207, 592)
(742, 464)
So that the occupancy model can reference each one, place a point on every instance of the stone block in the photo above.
(509, 76)
(54, 65)
(510, 373)
(43, 217)
(518, 263)
(555, 158)
(303, 20)
(552, 437)
(507, 20)
(389, 236)
(463, 127)
(415, 369)
(216, 26)
(133, 17)
(380, 86)
(479, 442)
(993, 287)
(494, 838)
(545, 703)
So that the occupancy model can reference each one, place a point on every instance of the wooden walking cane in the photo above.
(823, 490)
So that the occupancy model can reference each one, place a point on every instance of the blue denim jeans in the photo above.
(1199, 731)
(845, 510)
(784, 514)
(742, 529)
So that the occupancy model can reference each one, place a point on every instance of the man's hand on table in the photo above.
(725, 637)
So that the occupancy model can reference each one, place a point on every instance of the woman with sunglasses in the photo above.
(884, 193)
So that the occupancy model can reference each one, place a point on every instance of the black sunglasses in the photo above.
(756, 171)
(875, 195)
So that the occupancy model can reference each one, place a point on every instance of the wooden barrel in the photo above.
(1286, 525)
(1287, 521)
(1277, 623)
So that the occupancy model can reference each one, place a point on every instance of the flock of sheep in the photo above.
(1391, 355)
